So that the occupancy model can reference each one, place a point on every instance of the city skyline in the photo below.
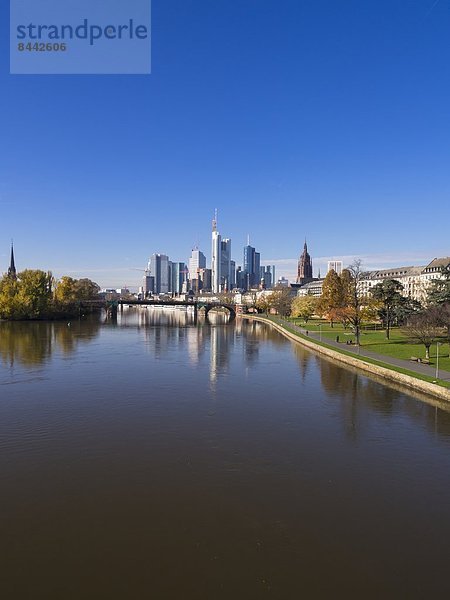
(327, 120)
(128, 277)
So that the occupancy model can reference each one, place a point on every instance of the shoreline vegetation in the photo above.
(34, 295)
(406, 377)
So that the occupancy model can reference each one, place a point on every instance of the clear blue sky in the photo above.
(321, 118)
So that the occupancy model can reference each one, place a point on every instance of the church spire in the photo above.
(12, 267)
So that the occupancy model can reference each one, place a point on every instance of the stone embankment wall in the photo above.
(406, 380)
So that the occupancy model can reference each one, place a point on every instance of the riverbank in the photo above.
(416, 379)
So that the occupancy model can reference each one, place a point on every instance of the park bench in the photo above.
(424, 361)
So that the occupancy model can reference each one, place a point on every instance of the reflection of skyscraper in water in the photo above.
(221, 338)
(195, 339)
(251, 343)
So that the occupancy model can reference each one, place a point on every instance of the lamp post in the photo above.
(437, 360)
(320, 330)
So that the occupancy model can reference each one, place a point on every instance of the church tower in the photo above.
(304, 271)
(12, 266)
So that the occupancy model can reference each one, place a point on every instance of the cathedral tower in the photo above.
(304, 271)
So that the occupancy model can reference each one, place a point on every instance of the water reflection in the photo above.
(32, 343)
(356, 394)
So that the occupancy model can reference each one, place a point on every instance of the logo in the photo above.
(86, 37)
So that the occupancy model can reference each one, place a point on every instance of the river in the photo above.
(158, 458)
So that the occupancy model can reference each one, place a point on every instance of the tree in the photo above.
(281, 301)
(86, 289)
(65, 292)
(332, 295)
(352, 295)
(9, 306)
(303, 307)
(440, 315)
(388, 293)
(405, 308)
(264, 303)
(440, 289)
(27, 297)
(70, 291)
(422, 329)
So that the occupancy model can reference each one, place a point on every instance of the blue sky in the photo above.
(328, 119)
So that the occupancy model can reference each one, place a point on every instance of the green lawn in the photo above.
(398, 346)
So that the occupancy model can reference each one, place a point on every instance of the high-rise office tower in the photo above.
(197, 261)
(335, 265)
(249, 266)
(158, 267)
(252, 263)
(215, 257)
(225, 265)
(240, 278)
(177, 276)
(233, 275)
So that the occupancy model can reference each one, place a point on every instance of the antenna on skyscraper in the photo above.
(248, 239)
(214, 223)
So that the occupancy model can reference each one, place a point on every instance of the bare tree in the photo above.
(354, 298)
(423, 329)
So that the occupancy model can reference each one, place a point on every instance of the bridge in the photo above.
(112, 306)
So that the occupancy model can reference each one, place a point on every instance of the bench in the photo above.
(424, 361)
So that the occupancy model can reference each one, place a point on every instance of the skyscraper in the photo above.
(158, 268)
(225, 265)
(177, 276)
(304, 271)
(252, 265)
(215, 257)
(197, 261)
(249, 266)
(335, 265)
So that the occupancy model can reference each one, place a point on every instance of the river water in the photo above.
(158, 458)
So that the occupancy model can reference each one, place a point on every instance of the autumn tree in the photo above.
(27, 297)
(304, 307)
(281, 300)
(69, 291)
(331, 299)
(65, 292)
(264, 303)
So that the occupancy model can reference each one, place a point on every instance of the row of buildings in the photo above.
(416, 281)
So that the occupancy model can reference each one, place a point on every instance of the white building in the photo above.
(335, 265)
(197, 262)
(215, 257)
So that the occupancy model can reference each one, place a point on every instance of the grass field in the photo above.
(398, 346)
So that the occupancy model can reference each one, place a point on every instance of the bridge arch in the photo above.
(211, 305)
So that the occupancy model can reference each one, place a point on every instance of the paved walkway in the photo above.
(362, 351)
